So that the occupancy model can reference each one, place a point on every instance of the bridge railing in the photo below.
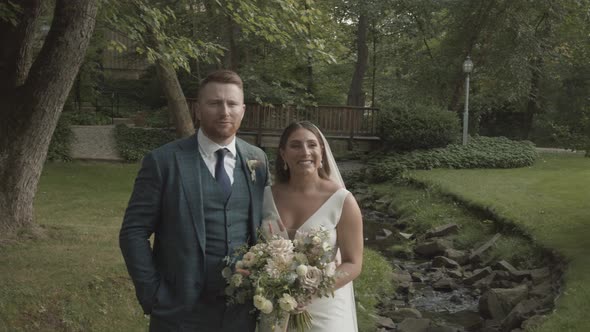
(347, 121)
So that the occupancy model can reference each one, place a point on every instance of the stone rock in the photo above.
(403, 313)
(456, 299)
(433, 248)
(478, 275)
(491, 326)
(539, 275)
(502, 283)
(512, 296)
(441, 261)
(497, 303)
(476, 254)
(384, 234)
(404, 288)
(485, 283)
(445, 285)
(543, 289)
(443, 230)
(519, 313)
(513, 273)
(457, 274)
(406, 236)
(414, 325)
(458, 256)
(443, 329)
(533, 322)
(502, 274)
(391, 210)
(417, 277)
(385, 322)
(400, 276)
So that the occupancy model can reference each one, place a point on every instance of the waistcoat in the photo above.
(226, 223)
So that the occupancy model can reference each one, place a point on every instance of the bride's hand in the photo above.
(243, 272)
(269, 230)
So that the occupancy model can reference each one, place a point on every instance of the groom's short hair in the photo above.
(223, 76)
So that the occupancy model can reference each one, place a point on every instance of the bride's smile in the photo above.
(303, 151)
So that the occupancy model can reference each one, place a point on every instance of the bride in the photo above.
(309, 192)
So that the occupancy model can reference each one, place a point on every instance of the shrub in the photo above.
(418, 127)
(481, 152)
(134, 143)
(87, 118)
(59, 148)
(158, 118)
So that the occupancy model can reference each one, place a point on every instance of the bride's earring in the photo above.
(285, 167)
(321, 163)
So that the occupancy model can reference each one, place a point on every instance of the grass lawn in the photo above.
(551, 202)
(75, 278)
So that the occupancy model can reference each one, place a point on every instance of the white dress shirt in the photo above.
(207, 149)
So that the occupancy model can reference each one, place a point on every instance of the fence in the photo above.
(343, 121)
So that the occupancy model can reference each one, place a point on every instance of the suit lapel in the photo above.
(254, 212)
(189, 168)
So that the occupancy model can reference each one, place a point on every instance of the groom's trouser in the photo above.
(211, 314)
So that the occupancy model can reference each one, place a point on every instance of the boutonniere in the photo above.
(252, 165)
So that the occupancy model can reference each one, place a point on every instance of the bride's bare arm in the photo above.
(350, 241)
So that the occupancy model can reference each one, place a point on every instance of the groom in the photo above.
(201, 197)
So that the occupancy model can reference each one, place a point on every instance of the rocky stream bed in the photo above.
(443, 289)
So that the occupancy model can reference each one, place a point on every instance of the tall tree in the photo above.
(356, 94)
(33, 91)
(159, 34)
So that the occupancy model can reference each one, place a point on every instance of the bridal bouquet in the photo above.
(283, 277)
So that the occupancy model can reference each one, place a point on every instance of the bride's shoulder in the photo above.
(331, 186)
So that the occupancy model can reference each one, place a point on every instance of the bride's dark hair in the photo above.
(282, 175)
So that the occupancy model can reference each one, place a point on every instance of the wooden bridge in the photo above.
(352, 126)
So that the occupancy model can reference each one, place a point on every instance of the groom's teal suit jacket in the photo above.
(167, 201)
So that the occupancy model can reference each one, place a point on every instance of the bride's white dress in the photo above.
(329, 314)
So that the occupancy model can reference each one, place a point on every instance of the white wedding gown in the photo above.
(329, 314)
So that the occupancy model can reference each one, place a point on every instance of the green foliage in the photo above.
(419, 127)
(9, 12)
(134, 143)
(567, 138)
(480, 152)
(373, 284)
(158, 118)
(59, 148)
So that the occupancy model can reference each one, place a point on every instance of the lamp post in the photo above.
(467, 68)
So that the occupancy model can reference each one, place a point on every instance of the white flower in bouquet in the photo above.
(226, 272)
(301, 270)
(287, 303)
(316, 240)
(330, 270)
(248, 260)
(301, 258)
(236, 280)
(281, 247)
(263, 304)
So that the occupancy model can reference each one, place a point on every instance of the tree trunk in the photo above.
(309, 57)
(356, 95)
(177, 105)
(232, 55)
(30, 110)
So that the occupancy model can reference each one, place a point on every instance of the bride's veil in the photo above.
(334, 171)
